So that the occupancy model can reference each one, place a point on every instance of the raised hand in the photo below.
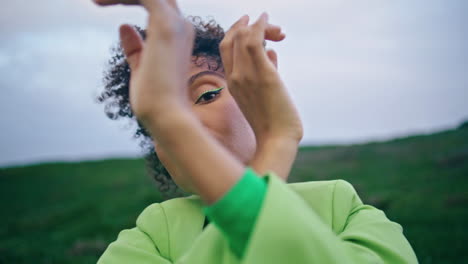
(158, 98)
(254, 81)
(255, 84)
(160, 63)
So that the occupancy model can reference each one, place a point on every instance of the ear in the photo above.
(273, 56)
(132, 44)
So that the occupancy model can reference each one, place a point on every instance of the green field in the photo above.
(69, 212)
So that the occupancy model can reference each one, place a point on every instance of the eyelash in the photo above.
(214, 91)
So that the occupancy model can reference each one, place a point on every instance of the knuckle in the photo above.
(242, 34)
(252, 46)
(236, 79)
(240, 80)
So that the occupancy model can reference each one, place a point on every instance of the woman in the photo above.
(218, 126)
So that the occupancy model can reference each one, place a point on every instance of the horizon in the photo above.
(301, 146)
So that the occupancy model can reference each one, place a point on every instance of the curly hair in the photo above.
(115, 96)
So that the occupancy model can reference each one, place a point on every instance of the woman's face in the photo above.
(219, 114)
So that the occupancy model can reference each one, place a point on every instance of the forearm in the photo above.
(275, 154)
(211, 168)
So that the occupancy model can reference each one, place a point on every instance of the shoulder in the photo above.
(172, 224)
(154, 219)
(165, 211)
(148, 241)
(331, 185)
(147, 236)
(337, 191)
(334, 201)
(160, 211)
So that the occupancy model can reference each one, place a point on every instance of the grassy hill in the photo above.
(69, 212)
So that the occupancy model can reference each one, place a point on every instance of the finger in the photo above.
(132, 44)
(242, 64)
(115, 2)
(173, 3)
(150, 5)
(260, 27)
(243, 21)
(274, 33)
(227, 45)
(254, 45)
(273, 56)
(159, 7)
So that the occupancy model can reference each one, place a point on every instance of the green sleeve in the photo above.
(289, 230)
(235, 213)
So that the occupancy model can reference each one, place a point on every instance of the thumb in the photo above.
(273, 56)
(274, 33)
(132, 44)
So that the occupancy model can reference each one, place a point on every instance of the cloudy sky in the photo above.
(358, 70)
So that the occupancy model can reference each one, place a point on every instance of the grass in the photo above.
(69, 212)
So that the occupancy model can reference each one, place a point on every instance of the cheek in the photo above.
(227, 124)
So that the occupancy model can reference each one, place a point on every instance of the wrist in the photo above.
(161, 113)
(280, 137)
(275, 154)
(168, 122)
(183, 137)
(276, 143)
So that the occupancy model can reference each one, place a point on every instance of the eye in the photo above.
(208, 95)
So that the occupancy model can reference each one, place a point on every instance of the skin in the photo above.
(203, 162)
(220, 116)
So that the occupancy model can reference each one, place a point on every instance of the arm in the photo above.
(158, 70)
(213, 171)
(277, 132)
(236, 212)
(254, 82)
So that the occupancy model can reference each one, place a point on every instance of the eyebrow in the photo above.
(203, 73)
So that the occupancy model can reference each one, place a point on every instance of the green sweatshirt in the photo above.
(312, 222)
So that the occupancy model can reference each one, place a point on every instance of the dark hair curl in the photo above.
(115, 96)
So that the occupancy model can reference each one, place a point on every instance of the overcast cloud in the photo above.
(357, 70)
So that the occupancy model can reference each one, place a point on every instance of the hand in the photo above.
(159, 64)
(158, 96)
(254, 82)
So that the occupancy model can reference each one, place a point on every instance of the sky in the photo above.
(358, 71)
